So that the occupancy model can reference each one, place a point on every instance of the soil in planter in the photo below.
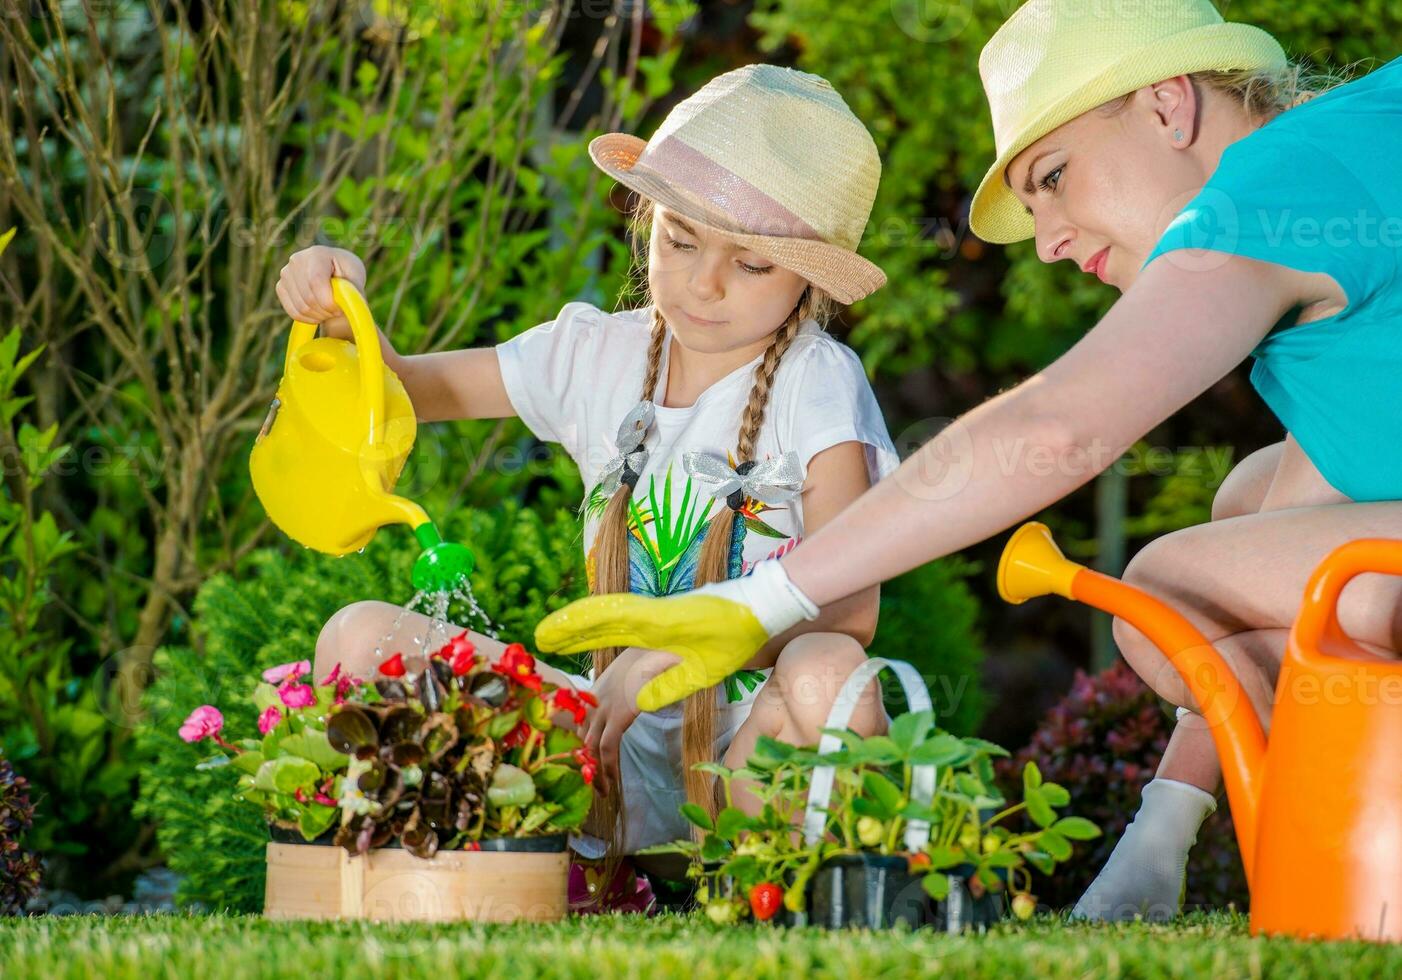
(549, 844)
(875, 891)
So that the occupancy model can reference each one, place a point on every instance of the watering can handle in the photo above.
(1318, 619)
(922, 788)
(367, 342)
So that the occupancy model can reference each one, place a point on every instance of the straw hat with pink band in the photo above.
(770, 158)
(1056, 59)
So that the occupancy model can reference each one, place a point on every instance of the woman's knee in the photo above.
(1244, 489)
(1152, 570)
(348, 637)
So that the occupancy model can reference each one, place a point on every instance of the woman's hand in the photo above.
(617, 692)
(304, 287)
(714, 630)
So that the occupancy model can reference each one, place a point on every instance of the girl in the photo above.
(1106, 126)
(716, 426)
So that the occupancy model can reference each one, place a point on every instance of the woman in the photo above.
(1163, 151)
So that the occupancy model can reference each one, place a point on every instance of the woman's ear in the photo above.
(1173, 103)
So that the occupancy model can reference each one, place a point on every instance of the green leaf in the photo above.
(911, 729)
(883, 792)
(1041, 860)
(714, 849)
(945, 856)
(936, 885)
(1076, 828)
(510, 786)
(697, 815)
(315, 820)
(986, 747)
(1002, 859)
(503, 723)
(1055, 845)
(265, 697)
(1031, 776)
(941, 750)
(248, 762)
(769, 753)
(291, 774)
(1055, 794)
(312, 745)
(878, 750)
(1039, 809)
(730, 821)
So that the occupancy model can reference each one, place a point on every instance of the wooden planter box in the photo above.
(321, 881)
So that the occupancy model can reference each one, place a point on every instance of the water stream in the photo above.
(435, 606)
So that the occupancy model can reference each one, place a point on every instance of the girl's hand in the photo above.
(304, 287)
(617, 692)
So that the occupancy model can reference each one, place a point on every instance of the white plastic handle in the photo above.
(922, 784)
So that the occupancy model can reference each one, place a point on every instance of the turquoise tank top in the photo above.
(1319, 189)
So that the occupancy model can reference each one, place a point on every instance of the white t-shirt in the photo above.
(574, 379)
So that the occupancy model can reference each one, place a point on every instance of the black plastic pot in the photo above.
(875, 891)
(550, 844)
(282, 835)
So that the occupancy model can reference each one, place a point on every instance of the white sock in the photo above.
(1148, 867)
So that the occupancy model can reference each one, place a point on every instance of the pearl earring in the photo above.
(1178, 135)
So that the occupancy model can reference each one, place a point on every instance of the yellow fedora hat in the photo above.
(1056, 59)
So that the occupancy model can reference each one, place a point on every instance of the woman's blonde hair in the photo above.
(1263, 93)
(611, 541)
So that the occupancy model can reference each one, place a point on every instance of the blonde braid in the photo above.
(713, 565)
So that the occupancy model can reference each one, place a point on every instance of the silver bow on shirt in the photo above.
(771, 481)
(631, 436)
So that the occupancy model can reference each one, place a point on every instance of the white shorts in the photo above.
(650, 758)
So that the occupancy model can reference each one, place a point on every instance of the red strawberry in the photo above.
(765, 900)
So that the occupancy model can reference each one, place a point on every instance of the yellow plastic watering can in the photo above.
(1318, 807)
(335, 439)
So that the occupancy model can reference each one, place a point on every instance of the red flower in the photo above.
(394, 666)
(517, 736)
(518, 665)
(574, 702)
(459, 652)
(588, 765)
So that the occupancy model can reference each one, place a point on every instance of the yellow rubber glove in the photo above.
(715, 630)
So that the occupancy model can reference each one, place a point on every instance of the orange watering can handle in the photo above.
(367, 342)
(1318, 617)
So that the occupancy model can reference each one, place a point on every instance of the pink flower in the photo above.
(344, 682)
(268, 720)
(287, 671)
(204, 722)
(297, 695)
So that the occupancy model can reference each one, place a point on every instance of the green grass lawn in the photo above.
(206, 947)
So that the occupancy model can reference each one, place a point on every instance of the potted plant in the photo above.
(903, 827)
(453, 790)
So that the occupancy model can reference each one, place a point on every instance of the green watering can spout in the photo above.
(443, 566)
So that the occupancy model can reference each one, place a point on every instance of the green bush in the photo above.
(528, 565)
(54, 713)
(929, 617)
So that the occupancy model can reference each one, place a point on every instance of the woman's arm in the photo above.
(836, 477)
(1171, 336)
(458, 384)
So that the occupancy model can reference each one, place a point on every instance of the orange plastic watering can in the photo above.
(1318, 808)
(333, 444)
